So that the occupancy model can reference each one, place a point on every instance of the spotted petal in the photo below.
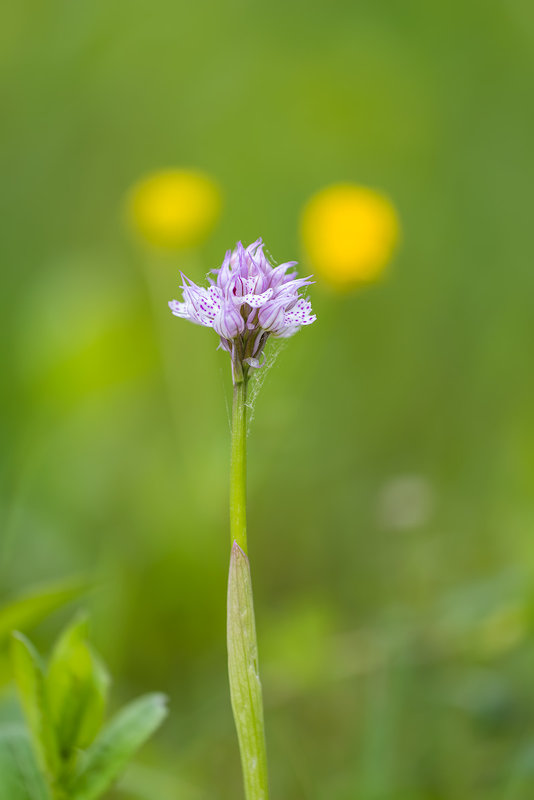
(257, 300)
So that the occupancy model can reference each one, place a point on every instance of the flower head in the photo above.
(247, 301)
(349, 233)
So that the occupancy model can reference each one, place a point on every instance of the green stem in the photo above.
(238, 467)
(245, 686)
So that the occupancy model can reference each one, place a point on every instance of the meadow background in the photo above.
(392, 447)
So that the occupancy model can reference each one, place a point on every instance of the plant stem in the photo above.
(245, 686)
(238, 467)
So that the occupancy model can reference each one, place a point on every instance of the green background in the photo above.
(391, 455)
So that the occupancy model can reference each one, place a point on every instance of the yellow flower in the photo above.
(349, 233)
(174, 208)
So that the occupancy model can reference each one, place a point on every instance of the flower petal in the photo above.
(257, 300)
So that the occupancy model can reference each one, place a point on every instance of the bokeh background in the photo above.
(392, 446)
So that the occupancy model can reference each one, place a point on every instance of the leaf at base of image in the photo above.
(76, 685)
(116, 744)
(20, 775)
(29, 676)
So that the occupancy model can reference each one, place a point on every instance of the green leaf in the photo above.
(114, 747)
(30, 682)
(96, 702)
(20, 778)
(245, 686)
(76, 685)
(35, 605)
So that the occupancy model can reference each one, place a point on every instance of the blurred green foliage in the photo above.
(392, 449)
(29, 608)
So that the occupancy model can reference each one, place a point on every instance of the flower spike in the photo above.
(247, 301)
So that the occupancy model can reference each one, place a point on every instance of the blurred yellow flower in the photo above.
(174, 208)
(349, 233)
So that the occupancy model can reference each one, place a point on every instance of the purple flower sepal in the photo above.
(247, 301)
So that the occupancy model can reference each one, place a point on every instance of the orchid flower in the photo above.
(248, 300)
